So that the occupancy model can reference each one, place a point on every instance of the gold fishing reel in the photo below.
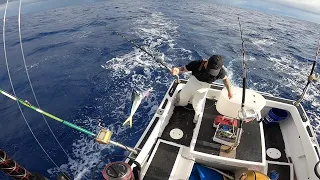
(104, 135)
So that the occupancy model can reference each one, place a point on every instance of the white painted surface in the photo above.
(273, 153)
(231, 107)
(176, 133)
(301, 150)
(298, 145)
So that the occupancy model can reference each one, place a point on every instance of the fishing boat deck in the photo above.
(181, 118)
(249, 148)
(274, 139)
(163, 156)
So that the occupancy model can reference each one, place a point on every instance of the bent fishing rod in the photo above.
(157, 59)
(244, 68)
(103, 137)
(242, 112)
(311, 77)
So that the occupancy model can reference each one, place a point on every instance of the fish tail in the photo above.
(129, 120)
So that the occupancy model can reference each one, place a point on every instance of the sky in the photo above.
(302, 9)
(308, 10)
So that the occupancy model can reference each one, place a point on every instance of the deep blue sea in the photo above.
(84, 73)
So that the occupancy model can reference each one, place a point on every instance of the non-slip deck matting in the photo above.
(250, 148)
(274, 139)
(282, 170)
(162, 162)
(181, 118)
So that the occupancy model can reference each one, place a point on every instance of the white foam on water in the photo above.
(290, 75)
(86, 153)
(267, 41)
(155, 30)
(230, 70)
(32, 66)
(298, 72)
(264, 42)
(133, 70)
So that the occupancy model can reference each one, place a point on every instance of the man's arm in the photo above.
(227, 84)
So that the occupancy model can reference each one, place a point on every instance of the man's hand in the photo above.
(229, 94)
(175, 71)
(312, 77)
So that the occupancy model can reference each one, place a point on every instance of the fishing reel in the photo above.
(118, 171)
(248, 115)
(104, 135)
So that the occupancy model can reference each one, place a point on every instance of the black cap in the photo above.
(215, 64)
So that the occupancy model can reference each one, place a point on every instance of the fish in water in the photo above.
(136, 97)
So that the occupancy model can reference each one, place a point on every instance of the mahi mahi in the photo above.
(136, 97)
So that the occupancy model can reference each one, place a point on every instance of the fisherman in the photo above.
(204, 72)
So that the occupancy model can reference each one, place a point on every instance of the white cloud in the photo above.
(312, 6)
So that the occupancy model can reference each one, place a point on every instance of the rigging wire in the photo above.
(30, 83)
(8, 70)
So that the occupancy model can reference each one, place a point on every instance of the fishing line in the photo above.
(8, 70)
(30, 83)
(157, 59)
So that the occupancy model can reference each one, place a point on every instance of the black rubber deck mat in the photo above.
(250, 148)
(274, 139)
(204, 141)
(282, 170)
(162, 162)
(181, 118)
(145, 138)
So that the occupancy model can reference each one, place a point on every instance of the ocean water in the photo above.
(84, 73)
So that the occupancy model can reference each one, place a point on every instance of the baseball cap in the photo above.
(215, 64)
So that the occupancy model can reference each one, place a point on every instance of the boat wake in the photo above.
(283, 76)
(133, 70)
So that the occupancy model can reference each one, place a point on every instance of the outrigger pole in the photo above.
(103, 136)
(311, 77)
(157, 59)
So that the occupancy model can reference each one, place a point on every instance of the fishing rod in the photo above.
(311, 76)
(103, 137)
(244, 68)
(157, 59)
(242, 112)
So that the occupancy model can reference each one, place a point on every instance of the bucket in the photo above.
(275, 115)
